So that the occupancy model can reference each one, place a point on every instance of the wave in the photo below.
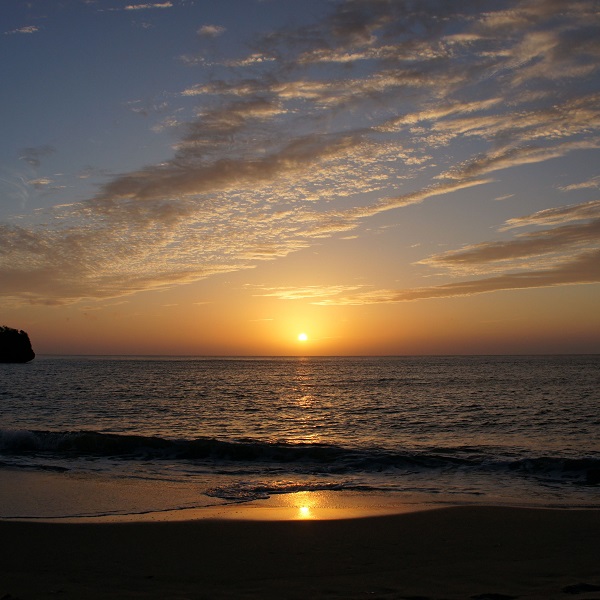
(95, 444)
(245, 491)
(322, 458)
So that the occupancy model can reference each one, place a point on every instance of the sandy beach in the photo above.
(481, 553)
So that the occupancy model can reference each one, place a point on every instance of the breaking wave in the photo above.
(316, 458)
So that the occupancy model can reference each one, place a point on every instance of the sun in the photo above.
(302, 337)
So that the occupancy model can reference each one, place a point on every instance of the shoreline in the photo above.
(451, 553)
(296, 506)
(84, 501)
(74, 498)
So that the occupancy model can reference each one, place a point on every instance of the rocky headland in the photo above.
(15, 346)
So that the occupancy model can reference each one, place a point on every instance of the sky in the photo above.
(386, 177)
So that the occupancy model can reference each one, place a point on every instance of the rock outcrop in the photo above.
(15, 346)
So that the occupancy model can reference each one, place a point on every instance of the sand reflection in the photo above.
(305, 503)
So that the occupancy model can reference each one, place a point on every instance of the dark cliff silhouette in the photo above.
(15, 346)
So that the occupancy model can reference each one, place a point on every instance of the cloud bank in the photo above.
(378, 106)
(566, 254)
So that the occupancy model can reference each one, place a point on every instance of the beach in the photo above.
(465, 552)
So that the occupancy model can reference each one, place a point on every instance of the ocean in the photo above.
(86, 436)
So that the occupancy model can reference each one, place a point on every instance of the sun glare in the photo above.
(302, 337)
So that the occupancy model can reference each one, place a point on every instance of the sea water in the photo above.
(120, 435)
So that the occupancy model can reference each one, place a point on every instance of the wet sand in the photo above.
(479, 553)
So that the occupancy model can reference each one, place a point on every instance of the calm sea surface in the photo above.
(451, 429)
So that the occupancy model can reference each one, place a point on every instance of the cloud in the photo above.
(593, 183)
(567, 254)
(572, 231)
(319, 128)
(179, 178)
(515, 157)
(583, 269)
(561, 241)
(211, 30)
(149, 6)
(40, 182)
(557, 216)
(26, 29)
(308, 292)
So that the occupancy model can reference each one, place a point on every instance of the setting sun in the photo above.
(302, 337)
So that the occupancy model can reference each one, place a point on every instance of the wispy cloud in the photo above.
(40, 182)
(584, 269)
(310, 292)
(593, 183)
(528, 249)
(379, 106)
(566, 254)
(211, 30)
(557, 216)
(27, 29)
(149, 6)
